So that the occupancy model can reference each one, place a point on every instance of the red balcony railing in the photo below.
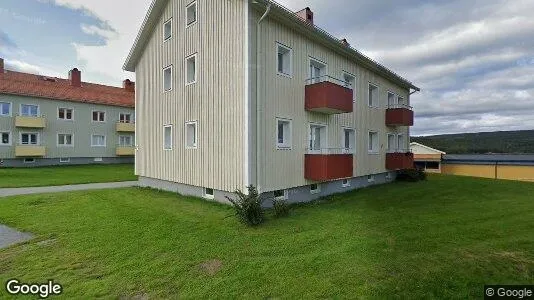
(328, 95)
(399, 115)
(324, 166)
(399, 160)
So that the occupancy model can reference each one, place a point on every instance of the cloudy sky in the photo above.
(473, 59)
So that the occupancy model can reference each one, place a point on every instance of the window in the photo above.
(284, 57)
(283, 134)
(400, 101)
(392, 143)
(280, 195)
(5, 138)
(350, 82)
(167, 30)
(98, 140)
(28, 110)
(167, 78)
(315, 188)
(432, 165)
(64, 160)
(373, 95)
(64, 140)
(64, 113)
(345, 183)
(191, 69)
(400, 143)
(370, 178)
(317, 139)
(5, 109)
(29, 160)
(99, 116)
(191, 14)
(97, 159)
(191, 135)
(392, 99)
(208, 193)
(29, 138)
(125, 140)
(317, 71)
(125, 118)
(348, 140)
(373, 142)
(167, 137)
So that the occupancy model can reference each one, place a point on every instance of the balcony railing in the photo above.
(125, 150)
(125, 127)
(328, 95)
(399, 160)
(30, 121)
(399, 115)
(328, 164)
(30, 151)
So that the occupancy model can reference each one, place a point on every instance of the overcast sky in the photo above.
(474, 60)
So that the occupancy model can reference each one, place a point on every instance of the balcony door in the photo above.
(317, 140)
(317, 71)
(392, 143)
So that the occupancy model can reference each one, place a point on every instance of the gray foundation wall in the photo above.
(45, 162)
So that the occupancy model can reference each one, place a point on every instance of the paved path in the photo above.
(65, 188)
(9, 236)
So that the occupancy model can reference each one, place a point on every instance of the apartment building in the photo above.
(52, 121)
(237, 93)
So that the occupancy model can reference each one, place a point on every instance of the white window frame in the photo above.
(99, 146)
(186, 14)
(98, 159)
(350, 150)
(209, 196)
(10, 109)
(165, 39)
(195, 56)
(10, 138)
(38, 110)
(65, 113)
(289, 144)
(99, 112)
(283, 197)
(319, 62)
(195, 144)
(165, 148)
(29, 140)
(317, 190)
(29, 160)
(126, 114)
(375, 151)
(324, 142)
(345, 184)
(63, 160)
(395, 99)
(399, 98)
(278, 46)
(169, 67)
(399, 146)
(121, 136)
(373, 105)
(64, 145)
(395, 141)
(345, 73)
(371, 178)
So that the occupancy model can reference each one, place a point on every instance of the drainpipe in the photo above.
(258, 93)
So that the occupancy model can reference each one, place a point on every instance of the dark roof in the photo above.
(24, 84)
(524, 159)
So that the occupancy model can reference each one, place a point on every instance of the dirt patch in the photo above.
(211, 267)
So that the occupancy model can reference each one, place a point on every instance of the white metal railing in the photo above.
(399, 105)
(329, 151)
(328, 78)
(30, 116)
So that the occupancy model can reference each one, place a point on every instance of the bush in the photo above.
(411, 175)
(281, 208)
(248, 207)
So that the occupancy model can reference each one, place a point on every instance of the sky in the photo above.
(472, 59)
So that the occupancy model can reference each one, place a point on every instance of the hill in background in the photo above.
(481, 142)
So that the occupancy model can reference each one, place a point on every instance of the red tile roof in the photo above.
(17, 83)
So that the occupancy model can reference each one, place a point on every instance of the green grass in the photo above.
(62, 175)
(444, 238)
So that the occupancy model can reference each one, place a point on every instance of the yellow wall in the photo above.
(522, 173)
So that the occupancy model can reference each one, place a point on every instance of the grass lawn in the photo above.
(443, 238)
(62, 175)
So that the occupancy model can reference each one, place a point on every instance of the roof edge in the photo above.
(429, 148)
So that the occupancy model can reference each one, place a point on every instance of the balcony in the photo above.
(125, 127)
(30, 122)
(399, 115)
(30, 151)
(400, 160)
(325, 166)
(125, 151)
(328, 95)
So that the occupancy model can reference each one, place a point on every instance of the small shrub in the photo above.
(281, 208)
(411, 175)
(248, 207)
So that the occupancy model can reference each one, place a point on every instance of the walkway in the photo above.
(65, 188)
(9, 236)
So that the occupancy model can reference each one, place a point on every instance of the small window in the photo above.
(191, 14)
(98, 140)
(348, 140)
(5, 138)
(99, 116)
(400, 101)
(279, 195)
(29, 138)
(345, 183)
(373, 142)
(315, 188)
(370, 178)
(28, 110)
(191, 69)
(98, 159)
(392, 99)
(373, 96)
(125, 140)
(283, 134)
(125, 118)
(167, 137)
(29, 160)
(64, 113)
(64, 140)
(64, 160)
(284, 57)
(191, 134)
(208, 193)
(167, 30)
(167, 78)
(5, 109)
(432, 165)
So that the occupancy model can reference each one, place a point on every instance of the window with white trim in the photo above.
(64, 159)
(99, 116)
(317, 71)
(392, 99)
(347, 140)
(373, 142)
(400, 101)
(345, 182)
(98, 140)
(98, 159)
(29, 110)
(5, 138)
(373, 96)
(191, 134)
(392, 142)
(370, 178)
(5, 109)
(191, 14)
(350, 82)
(29, 138)
(280, 194)
(209, 193)
(315, 188)
(167, 30)
(317, 138)
(284, 60)
(125, 118)
(125, 140)
(167, 137)
(64, 140)
(191, 69)
(167, 78)
(400, 142)
(283, 134)
(29, 160)
(64, 113)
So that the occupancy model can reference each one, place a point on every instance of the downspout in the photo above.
(258, 93)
